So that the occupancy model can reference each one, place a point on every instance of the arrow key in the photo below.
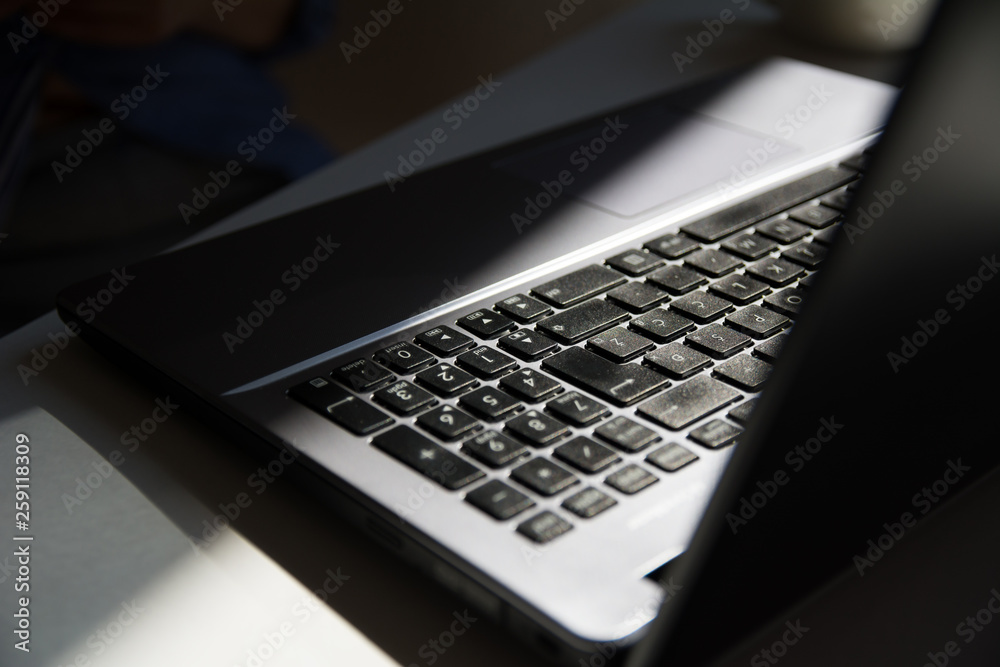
(528, 344)
(486, 323)
(444, 341)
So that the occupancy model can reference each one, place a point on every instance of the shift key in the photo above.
(621, 384)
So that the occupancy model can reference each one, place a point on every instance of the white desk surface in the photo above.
(115, 579)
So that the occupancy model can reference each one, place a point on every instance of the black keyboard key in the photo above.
(537, 428)
(758, 322)
(579, 285)
(672, 246)
(589, 502)
(775, 271)
(577, 409)
(744, 214)
(586, 455)
(677, 360)
(814, 215)
(808, 255)
(701, 306)
(715, 434)
(718, 341)
(318, 393)
(494, 449)
(637, 297)
(581, 321)
(620, 384)
(635, 262)
(523, 308)
(808, 281)
(530, 385)
(527, 344)
(619, 344)
(499, 500)
(490, 403)
(689, 402)
(741, 413)
(856, 162)
(671, 457)
(486, 323)
(341, 406)
(444, 341)
(770, 350)
(661, 325)
(828, 236)
(787, 302)
(838, 199)
(544, 527)
(782, 230)
(631, 479)
(404, 357)
(626, 435)
(713, 262)
(739, 289)
(362, 375)
(427, 457)
(543, 476)
(445, 380)
(749, 246)
(447, 423)
(677, 279)
(404, 398)
(486, 362)
(744, 372)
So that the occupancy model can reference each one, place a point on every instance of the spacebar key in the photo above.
(427, 457)
(622, 384)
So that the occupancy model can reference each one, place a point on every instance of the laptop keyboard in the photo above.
(680, 329)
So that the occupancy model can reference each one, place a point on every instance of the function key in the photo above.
(672, 246)
(749, 246)
(713, 262)
(362, 375)
(814, 215)
(486, 362)
(576, 408)
(486, 323)
(427, 457)
(783, 231)
(527, 345)
(589, 502)
(661, 325)
(530, 385)
(631, 479)
(543, 476)
(544, 527)
(625, 434)
(635, 262)
(637, 297)
(404, 357)
(671, 457)
(499, 500)
(586, 455)
(444, 341)
(445, 379)
(715, 434)
(490, 403)
(447, 423)
(677, 279)
(579, 285)
(523, 308)
(494, 449)
(536, 428)
(619, 344)
(404, 398)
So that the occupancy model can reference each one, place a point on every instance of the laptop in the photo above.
(527, 372)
